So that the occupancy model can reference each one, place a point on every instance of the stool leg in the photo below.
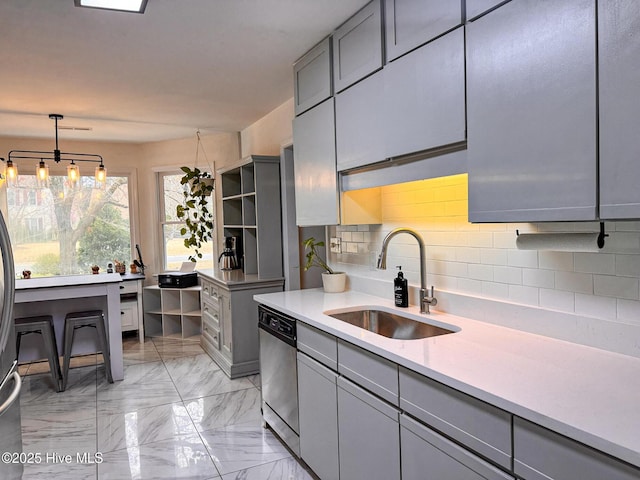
(102, 338)
(52, 353)
(18, 338)
(68, 341)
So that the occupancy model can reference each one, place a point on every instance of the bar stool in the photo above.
(76, 320)
(42, 325)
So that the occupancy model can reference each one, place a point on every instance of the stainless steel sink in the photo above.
(389, 324)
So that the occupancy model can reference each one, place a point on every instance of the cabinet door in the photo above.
(314, 159)
(129, 315)
(424, 97)
(369, 435)
(410, 23)
(427, 455)
(360, 124)
(478, 7)
(226, 325)
(318, 414)
(540, 454)
(531, 110)
(619, 50)
(312, 77)
(357, 46)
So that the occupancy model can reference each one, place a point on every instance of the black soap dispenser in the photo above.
(401, 290)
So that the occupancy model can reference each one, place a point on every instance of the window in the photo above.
(174, 251)
(62, 231)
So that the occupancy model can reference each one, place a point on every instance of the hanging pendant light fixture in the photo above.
(42, 170)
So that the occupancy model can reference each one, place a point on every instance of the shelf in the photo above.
(193, 313)
(231, 183)
(172, 312)
(232, 211)
(247, 178)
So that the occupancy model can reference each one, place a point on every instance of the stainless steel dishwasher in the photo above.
(279, 373)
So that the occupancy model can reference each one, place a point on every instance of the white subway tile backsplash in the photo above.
(619, 287)
(603, 263)
(482, 260)
(574, 282)
(493, 256)
(522, 294)
(556, 260)
(595, 306)
(557, 300)
(534, 277)
(512, 275)
(627, 265)
(522, 258)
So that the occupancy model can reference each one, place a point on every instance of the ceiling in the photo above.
(213, 65)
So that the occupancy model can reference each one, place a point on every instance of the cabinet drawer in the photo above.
(128, 287)
(210, 315)
(211, 335)
(540, 454)
(210, 293)
(476, 424)
(129, 315)
(317, 344)
(376, 374)
(424, 450)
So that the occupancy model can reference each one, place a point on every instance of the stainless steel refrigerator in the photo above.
(10, 428)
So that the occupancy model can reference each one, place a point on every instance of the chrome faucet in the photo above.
(425, 300)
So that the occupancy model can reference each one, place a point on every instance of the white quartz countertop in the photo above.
(587, 394)
(233, 277)
(67, 281)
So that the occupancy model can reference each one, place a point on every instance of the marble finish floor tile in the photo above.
(285, 469)
(181, 457)
(135, 352)
(48, 434)
(199, 376)
(240, 447)
(170, 348)
(241, 407)
(146, 425)
(255, 379)
(144, 385)
(60, 471)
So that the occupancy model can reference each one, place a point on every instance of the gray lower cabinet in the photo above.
(357, 46)
(230, 323)
(424, 96)
(427, 455)
(368, 435)
(314, 158)
(619, 89)
(540, 454)
(312, 77)
(318, 415)
(531, 111)
(479, 426)
(410, 23)
(360, 124)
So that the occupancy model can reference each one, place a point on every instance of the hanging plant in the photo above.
(195, 211)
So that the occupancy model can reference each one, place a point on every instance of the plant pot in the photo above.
(334, 282)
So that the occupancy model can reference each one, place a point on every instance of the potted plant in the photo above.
(333, 282)
(196, 211)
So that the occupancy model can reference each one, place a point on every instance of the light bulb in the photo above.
(73, 174)
(42, 174)
(101, 176)
(12, 173)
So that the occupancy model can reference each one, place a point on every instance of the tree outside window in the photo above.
(62, 231)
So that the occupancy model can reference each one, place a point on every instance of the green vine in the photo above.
(195, 212)
(313, 258)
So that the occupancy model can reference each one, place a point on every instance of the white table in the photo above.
(60, 295)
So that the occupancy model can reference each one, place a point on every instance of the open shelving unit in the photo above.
(172, 312)
(251, 212)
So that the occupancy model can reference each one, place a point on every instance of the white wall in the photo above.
(270, 133)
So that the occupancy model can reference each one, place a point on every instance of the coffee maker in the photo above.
(230, 258)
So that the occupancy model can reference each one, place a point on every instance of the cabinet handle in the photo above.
(121, 287)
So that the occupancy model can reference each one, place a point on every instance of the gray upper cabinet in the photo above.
(540, 454)
(410, 23)
(314, 159)
(360, 126)
(478, 7)
(619, 50)
(357, 46)
(531, 111)
(312, 77)
(424, 96)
